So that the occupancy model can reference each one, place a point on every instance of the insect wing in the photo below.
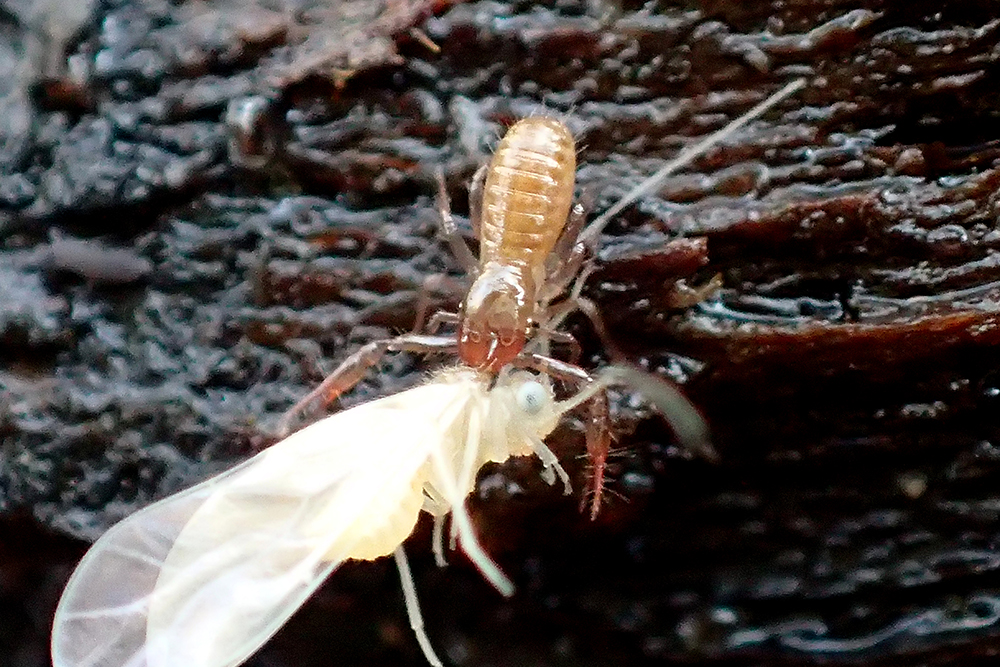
(204, 577)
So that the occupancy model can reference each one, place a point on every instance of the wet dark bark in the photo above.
(203, 206)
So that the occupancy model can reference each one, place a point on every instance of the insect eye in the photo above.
(531, 398)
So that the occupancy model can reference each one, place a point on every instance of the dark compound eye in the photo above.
(531, 397)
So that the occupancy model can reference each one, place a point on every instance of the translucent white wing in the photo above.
(204, 577)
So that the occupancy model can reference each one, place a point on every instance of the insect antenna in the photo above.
(684, 157)
(688, 424)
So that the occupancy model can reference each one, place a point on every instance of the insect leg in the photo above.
(352, 369)
(474, 550)
(551, 465)
(428, 287)
(562, 265)
(567, 255)
(438, 508)
(437, 541)
(476, 197)
(462, 525)
(413, 607)
(440, 318)
(561, 338)
(574, 302)
(598, 425)
(450, 230)
(591, 312)
(577, 269)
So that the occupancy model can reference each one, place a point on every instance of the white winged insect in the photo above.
(204, 577)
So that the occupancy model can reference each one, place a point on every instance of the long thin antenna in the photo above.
(685, 156)
(688, 424)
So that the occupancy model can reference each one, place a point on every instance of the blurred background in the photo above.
(204, 206)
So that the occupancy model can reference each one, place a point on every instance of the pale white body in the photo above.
(204, 577)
